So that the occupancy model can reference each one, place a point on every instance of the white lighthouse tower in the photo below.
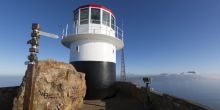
(93, 47)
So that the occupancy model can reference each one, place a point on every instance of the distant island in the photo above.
(182, 73)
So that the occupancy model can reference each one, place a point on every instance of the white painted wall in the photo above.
(92, 51)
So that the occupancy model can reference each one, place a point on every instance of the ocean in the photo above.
(202, 89)
(6, 81)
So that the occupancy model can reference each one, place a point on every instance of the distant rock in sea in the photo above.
(164, 74)
(182, 73)
(189, 73)
(192, 72)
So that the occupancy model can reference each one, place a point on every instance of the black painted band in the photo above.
(99, 76)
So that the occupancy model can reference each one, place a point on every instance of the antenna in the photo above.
(123, 72)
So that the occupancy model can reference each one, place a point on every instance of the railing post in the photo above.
(117, 31)
(76, 27)
(106, 30)
(122, 35)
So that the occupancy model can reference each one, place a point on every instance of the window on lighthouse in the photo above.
(106, 18)
(113, 22)
(76, 16)
(84, 16)
(95, 15)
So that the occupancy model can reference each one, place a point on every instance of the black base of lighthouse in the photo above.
(99, 77)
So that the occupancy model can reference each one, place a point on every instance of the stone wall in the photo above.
(7, 95)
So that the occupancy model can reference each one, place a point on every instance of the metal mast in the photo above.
(123, 72)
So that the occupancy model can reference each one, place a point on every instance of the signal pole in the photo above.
(31, 68)
(31, 72)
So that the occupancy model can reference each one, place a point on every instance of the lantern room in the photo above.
(95, 19)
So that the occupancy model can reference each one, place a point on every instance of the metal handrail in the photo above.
(119, 33)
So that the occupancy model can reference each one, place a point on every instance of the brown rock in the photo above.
(58, 86)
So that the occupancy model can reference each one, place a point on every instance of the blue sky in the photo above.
(160, 35)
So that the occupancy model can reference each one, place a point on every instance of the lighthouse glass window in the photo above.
(105, 18)
(84, 16)
(95, 15)
(76, 16)
(113, 22)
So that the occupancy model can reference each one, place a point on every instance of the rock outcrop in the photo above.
(58, 86)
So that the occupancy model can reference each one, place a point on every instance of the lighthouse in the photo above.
(93, 46)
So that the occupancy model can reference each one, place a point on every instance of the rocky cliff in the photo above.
(57, 86)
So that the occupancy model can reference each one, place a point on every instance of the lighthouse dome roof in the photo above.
(96, 6)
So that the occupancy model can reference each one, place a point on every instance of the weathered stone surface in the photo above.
(58, 86)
